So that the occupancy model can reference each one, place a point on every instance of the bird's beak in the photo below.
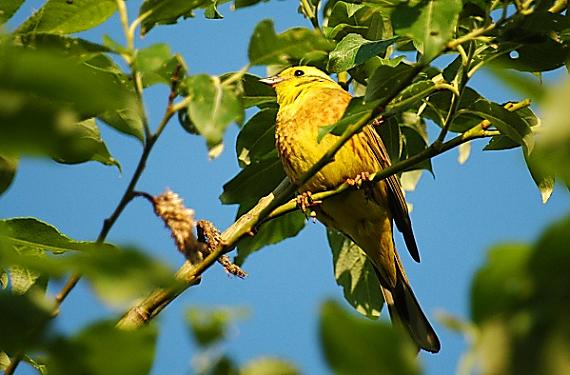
(271, 81)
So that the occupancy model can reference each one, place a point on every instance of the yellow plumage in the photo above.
(308, 100)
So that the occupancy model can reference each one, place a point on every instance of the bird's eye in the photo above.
(298, 73)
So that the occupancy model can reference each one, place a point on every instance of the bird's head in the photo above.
(291, 82)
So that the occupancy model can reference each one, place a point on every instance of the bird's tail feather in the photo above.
(405, 310)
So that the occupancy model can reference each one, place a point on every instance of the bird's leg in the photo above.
(305, 202)
(362, 181)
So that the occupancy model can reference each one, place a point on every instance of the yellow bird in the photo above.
(309, 99)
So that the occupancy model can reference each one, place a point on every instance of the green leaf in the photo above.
(544, 182)
(213, 107)
(3, 280)
(253, 182)
(103, 349)
(210, 326)
(430, 23)
(157, 64)
(84, 144)
(269, 366)
(4, 361)
(266, 47)
(256, 140)
(64, 17)
(500, 286)
(354, 50)
(269, 233)
(354, 345)
(247, 3)
(127, 120)
(255, 93)
(355, 274)
(25, 319)
(167, 12)
(44, 95)
(358, 110)
(382, 82)
(33, 234)
(67, 46)
(415, 139)
(8, 8)
(8, 167)
(391, 135)
(553, 146)
(212, 12)
(508, 123)
(22, 279)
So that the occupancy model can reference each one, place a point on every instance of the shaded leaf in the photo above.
(430, 23)
(253, 182)
(375, 347)
(101, 348)
(167, 12)
(382, 82)
(8, 167)
(269, 233)
(256, 140)
(255, 93)
(355, 274)
(354, 50)
(85, 144)
(213, 107)
(502, 284)
(64, 17)
(24, 322)
(266, 47)
(127, 120)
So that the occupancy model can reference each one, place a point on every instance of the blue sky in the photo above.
(457, 215)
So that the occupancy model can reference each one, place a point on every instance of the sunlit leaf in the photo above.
(266, 47)
(38, 235)
(354, 50)
(355, 274)
(65, 17)
(269, 366)
(157, 64)
(430, 23)
(213, 107)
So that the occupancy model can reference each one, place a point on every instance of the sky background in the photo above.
(456, 216)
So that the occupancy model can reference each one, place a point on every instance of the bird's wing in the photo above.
(396, 199)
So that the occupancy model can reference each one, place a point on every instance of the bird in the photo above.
(309, 99)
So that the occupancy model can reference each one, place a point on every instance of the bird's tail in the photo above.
(405, 310)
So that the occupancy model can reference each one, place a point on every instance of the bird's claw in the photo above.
(360, 179)
(305, 202)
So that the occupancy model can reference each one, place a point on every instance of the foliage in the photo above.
(409, 61)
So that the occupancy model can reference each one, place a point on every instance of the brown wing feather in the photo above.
(396, 198)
